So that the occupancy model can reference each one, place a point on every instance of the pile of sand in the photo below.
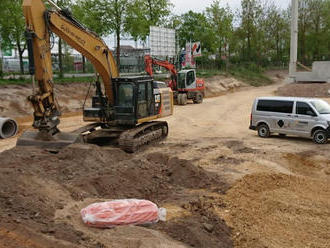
(278, 211)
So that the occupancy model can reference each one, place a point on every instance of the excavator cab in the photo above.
(134, 100)
(186, 79)
(137, 99)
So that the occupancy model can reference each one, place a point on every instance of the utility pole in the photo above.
(294, 40)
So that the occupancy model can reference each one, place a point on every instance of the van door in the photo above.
(277, 113)
(304, 119)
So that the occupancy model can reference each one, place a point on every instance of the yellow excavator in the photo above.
(124, 109)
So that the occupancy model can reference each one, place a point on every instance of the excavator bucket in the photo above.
(46, 140)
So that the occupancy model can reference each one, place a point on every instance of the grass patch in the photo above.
(254, 78)
(22, 81)
(203, 73)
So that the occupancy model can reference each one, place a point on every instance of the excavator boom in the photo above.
(149, 62)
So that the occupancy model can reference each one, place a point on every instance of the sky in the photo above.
(182, 6)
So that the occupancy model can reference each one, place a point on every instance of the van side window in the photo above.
(275, 106)
(304, 109)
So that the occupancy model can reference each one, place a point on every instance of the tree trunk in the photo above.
(118, 48)
(277, 48)
(249, 47)
(60, 61)
(20, 54)
(317, 45)
(84, 63)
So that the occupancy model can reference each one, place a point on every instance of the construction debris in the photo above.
(122, 212)
(8, 127)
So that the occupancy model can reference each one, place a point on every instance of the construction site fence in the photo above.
(71, 65)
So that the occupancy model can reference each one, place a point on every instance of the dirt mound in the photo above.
(36, 184)
(308, 164)
(277, 210)
(304, 90)
(219, 85)
(14, 103)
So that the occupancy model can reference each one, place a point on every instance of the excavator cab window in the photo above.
(150, 97)
(125, 93)
(142, 101)
(181, 80)
(190, 78)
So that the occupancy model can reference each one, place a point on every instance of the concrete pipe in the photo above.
(8, 128)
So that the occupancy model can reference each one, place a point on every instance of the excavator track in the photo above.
(131, 140)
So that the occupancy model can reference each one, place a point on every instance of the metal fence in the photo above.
(130, 62)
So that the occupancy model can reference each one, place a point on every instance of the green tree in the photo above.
(221, 19)
(251, 16)
(12, 26)
(317, 36)
(277, 33)
(145, 13)
(303, 26)
(114, 16)
(195, 27)
(173, 21)
(326, 28)
(91, 16)
(313, 39)
(88, 13)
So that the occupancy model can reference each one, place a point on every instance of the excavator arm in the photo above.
(149, 62)
(40, 23)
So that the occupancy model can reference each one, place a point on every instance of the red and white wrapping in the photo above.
(122, 212)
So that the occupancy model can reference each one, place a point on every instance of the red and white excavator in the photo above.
(184, 83)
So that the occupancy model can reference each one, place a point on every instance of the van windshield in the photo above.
(321, 106)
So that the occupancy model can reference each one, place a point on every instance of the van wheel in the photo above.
(263, 131)
(320, 137)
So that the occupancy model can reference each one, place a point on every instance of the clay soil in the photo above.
(222, 185)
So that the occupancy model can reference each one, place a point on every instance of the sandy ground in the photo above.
(223, 186)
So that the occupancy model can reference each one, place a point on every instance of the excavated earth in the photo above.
(305, 90)
(41, 188)
(222, 185)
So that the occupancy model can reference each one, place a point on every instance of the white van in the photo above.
(305, 117)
